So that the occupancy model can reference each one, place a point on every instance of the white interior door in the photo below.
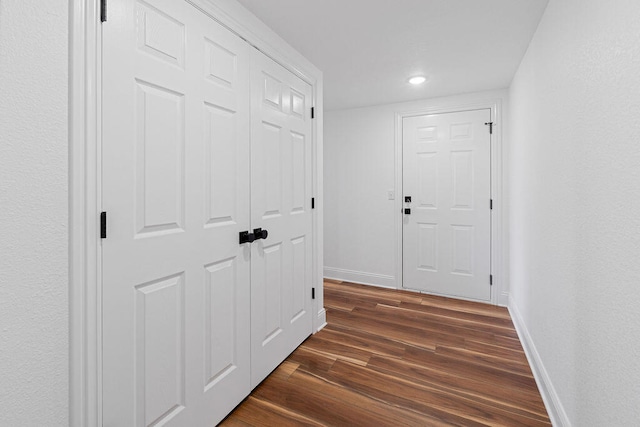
(447, 232)
(281, 268)
(175, 150)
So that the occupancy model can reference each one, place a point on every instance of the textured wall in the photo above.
(575, 203)
(359, 170)
(33, 213)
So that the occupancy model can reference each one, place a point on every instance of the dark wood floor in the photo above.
(395, 358)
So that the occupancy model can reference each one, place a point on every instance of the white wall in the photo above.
(575, 209)
(359, 226)
(33, 213)
(359, 169)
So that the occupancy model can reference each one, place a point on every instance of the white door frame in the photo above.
(85, 388)
(499, 296)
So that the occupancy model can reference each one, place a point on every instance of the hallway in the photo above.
(392, 357)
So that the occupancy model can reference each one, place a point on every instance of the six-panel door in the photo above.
(447, 234)
(281, 171)
(175, 150)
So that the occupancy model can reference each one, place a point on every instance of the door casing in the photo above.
(85, 396)
(499, 295)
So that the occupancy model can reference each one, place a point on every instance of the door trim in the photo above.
(85, 388)
(84, 249)
(499, 294)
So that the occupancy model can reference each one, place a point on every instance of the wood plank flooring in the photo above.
(396, 358)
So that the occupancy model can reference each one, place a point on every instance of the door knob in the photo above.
(260, 233)
(407, 211)
(246, 237)
(407, 199)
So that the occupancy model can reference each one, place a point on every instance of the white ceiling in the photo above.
(368, 49)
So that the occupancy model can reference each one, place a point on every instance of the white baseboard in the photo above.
(321, 320)
(360, 277)
(556, 411)
(503, 299)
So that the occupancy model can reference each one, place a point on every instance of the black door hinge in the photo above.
(313, 203)
(313, 112)
(491, 204)
(313, 293)
(103, 225)
(103, 10)
(490, 124)
(491, 279)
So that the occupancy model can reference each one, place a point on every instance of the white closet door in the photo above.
(447, 174)
(281, 204)
(175, 150)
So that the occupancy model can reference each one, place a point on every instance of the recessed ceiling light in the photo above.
(417, 80)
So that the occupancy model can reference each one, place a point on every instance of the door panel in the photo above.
(281, 204)
(447, 235)
(160, 140)
(175, 150)
(159, 333)
(221, 312)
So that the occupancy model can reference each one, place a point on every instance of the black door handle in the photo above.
(260, 233)
(407, 211)
(246, 237)
(407, 199)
